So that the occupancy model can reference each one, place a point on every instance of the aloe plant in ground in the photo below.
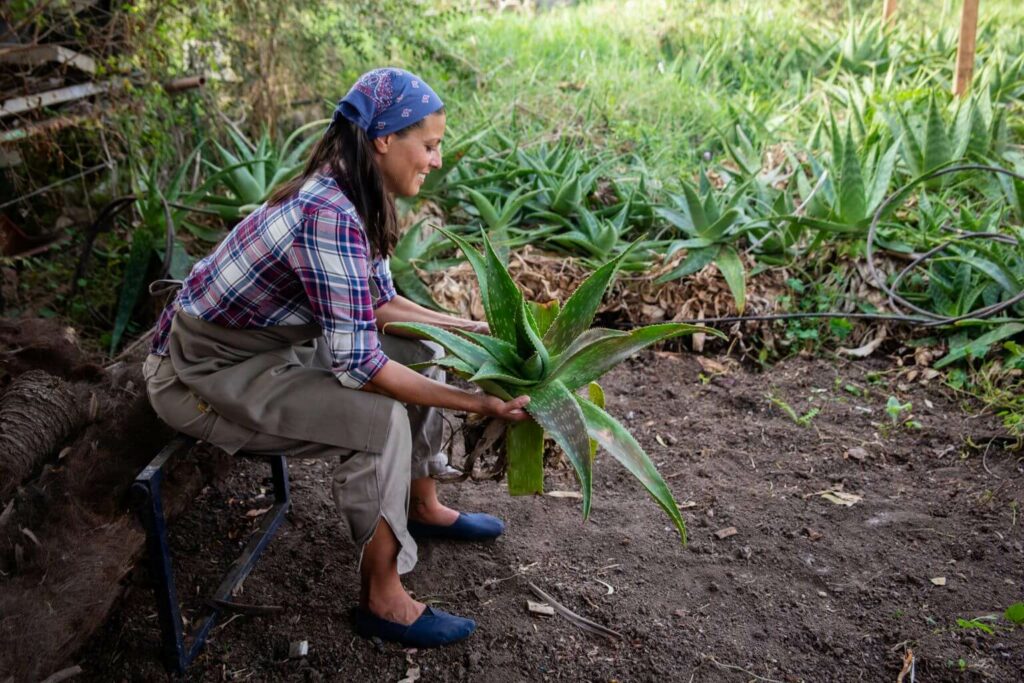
(549, 353)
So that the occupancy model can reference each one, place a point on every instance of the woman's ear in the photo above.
(382, 144)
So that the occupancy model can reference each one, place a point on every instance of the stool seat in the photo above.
(178, 650)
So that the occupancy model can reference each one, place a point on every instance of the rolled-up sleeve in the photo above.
(330, 257)
(381, 274)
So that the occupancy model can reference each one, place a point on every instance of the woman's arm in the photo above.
(408, 386)
(402, 310)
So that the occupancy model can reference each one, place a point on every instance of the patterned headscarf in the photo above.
(386, 100)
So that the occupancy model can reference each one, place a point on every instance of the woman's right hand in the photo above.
(512, 411)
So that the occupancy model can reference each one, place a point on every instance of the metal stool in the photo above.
(179, 650)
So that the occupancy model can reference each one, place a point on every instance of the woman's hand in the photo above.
(512, 411)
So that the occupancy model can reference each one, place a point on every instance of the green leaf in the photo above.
(597, 359)
(524, 447)
(409, 283)
(530, 343)
(617, 440)
(852, 204)
(466, 350)
(133, 284)
(578, 312)
(493, 370)
(505, 297)
(555, 409)
(487, 211)
(731, 267)
(500, 350)
(980, 346)
(694, 261)
(937, 147)
(1015, 613)
(544, 314)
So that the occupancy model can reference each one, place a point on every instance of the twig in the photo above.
(64, 674)
(248, 610)
(908, 667)
(738, 668)
(577, 620)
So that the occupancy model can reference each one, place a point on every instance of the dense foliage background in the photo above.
(747, 139)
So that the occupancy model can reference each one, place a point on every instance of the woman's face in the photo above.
(405, 160)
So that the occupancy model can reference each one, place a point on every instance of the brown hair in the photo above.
(347, 152)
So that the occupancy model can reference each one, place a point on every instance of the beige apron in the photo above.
(271, 390)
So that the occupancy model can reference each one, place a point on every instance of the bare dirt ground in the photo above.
(807, 589)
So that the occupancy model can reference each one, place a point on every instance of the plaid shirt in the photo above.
(304, 260)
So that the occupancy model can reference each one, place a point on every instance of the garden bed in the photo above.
(806, 589)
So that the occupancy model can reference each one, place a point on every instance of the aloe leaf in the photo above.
(135, 270)
(505, 297)
(980, 346)
(913, 152)
(500, 350)
(695, 209)
(524, 448)
(721, 225)
(597, 359)
(882, 176)
(245, 186)
(937, 147)
(567, 199)
(555, 409)
(731, 267)
(682, 221)
(592, 336)
(463, 348)
(852, 201)
(694, 261)
(488, 213)
(578, 312)
(495, 371)
(530, 343)
(617, 440)
(476, 260)
(461, 367)
(544, 314)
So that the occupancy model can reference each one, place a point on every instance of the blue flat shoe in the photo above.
(433, 628)
(470, 526)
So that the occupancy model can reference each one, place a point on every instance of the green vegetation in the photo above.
(550, 352)
(672, 138)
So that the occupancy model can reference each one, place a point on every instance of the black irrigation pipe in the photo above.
(926, 317)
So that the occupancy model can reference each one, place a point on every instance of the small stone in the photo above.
(857, 453)
(298, 649)
(725, 533)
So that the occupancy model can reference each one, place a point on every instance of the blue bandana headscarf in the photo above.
(386, 100)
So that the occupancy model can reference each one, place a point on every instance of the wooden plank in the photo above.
(41, 54)
(888, 11)
(966, 48)
(19, 105)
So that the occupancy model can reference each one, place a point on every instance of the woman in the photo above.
(275, 344)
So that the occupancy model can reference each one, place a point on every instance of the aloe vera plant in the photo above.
(549, 353)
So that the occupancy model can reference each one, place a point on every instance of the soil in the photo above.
(807, 589)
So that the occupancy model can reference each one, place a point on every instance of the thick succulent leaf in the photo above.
(530, 343)
(476, 260)
(493, 370)
(597, 359)
(524, 448)
(617, 440)
(461, 347)
(408, 281)
(555, 409)
(694, 261)
(731, 267)
(852, 195)
(505, 297)
(578, 312)
(500, 350)
(937, 147)
(544, 314)
(588, 338)
(459, 366)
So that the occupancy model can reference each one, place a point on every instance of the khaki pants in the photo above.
(366, 486)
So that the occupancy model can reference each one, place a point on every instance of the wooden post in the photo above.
(890, 9)
(965, 50)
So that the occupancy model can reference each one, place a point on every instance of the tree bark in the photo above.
(38, 413)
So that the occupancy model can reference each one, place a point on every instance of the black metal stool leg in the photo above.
(147, 494)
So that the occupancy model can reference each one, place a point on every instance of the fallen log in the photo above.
(38, 413)
(68, 539)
